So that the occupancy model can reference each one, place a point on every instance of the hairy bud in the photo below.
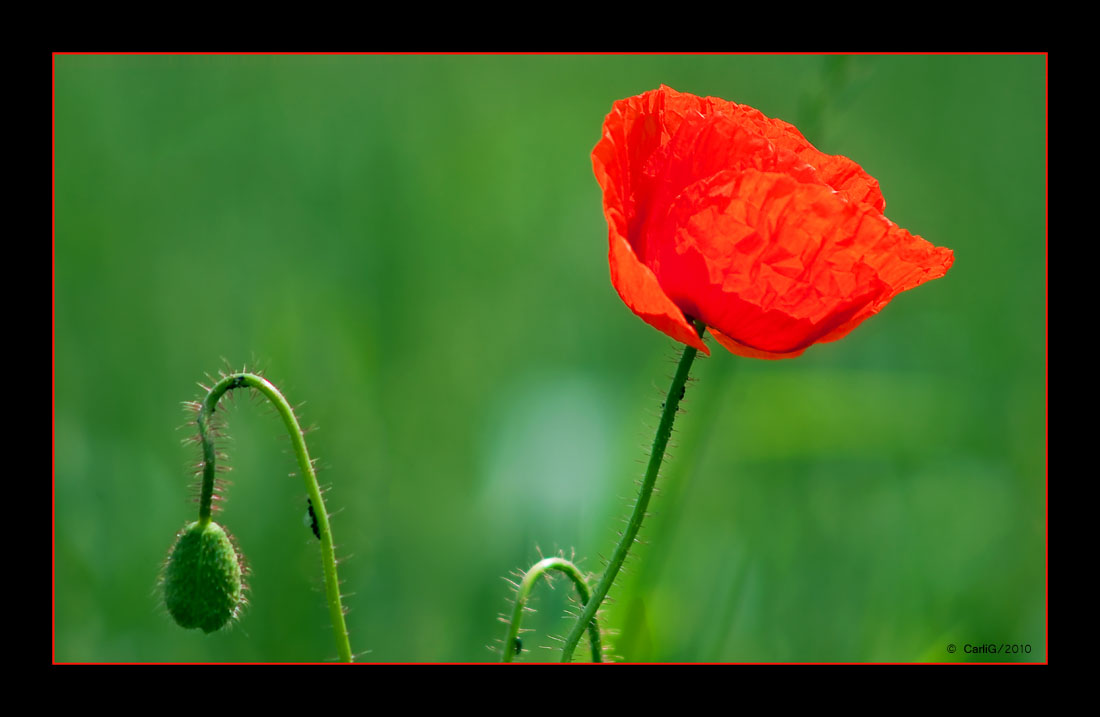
(203, 585)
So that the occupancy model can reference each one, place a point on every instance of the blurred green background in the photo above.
(415, 247)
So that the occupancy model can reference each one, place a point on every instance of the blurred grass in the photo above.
(414, 245)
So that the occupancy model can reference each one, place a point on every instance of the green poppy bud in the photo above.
(203, 584)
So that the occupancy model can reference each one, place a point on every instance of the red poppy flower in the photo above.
(719, 213)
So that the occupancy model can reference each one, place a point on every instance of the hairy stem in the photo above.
(656, 456)
(305, 467)
(524, 592)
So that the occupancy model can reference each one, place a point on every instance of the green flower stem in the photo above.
(305, 466)
(524, 592)
(656, 456)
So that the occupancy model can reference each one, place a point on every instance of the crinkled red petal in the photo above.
(740, 349)
(635, 283)
(639, 289)
(776, 265)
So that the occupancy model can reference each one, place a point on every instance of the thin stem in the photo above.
(305, 466)
(511, 645)
(656, 456)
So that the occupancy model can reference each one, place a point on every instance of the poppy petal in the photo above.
(837, 171)
(617, 174)
(776, 265)
(735, 347)
(639, 289)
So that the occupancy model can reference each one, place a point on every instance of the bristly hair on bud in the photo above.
(203, 578)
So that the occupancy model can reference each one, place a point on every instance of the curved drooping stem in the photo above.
(511, 645)
(656, 457)
(305, 467)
